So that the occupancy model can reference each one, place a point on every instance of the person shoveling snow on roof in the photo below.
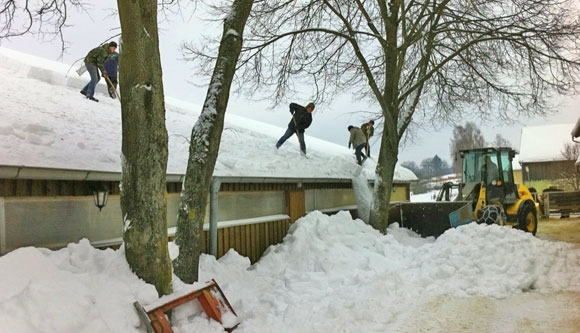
(111, 67)
(94, 62)
(358, 141)
(301, 120)
(368, 130)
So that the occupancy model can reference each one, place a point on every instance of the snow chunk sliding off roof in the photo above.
(544, 143)
(46, 123)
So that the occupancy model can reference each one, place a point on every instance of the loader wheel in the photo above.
(491, 214)
(527, 219)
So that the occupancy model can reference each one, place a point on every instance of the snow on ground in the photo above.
(424, 197)
(330, 274)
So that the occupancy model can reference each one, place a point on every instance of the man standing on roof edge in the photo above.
(301, 120)
(94, 62)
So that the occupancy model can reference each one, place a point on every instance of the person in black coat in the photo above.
(301, 120)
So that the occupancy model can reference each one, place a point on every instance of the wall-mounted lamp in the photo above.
(101, 198)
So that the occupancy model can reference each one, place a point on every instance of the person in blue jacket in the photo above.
(301, 120)
(111, 67)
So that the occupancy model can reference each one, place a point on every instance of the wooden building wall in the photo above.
(49, 188)
(546, 170)
(249, 240)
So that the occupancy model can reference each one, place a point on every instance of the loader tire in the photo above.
(527, 218)
(491, 214)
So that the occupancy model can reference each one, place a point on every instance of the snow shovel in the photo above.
(112, 86)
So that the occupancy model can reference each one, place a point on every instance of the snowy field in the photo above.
(330, 274)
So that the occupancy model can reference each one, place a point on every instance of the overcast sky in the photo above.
(330, 121)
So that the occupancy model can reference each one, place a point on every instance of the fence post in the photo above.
(547, 204)
(213, 212)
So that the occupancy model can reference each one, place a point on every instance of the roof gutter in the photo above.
(24, 172)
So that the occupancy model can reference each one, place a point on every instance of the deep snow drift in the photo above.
(331, 274)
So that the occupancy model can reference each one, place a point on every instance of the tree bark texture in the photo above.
(144, 146)
(205, 142)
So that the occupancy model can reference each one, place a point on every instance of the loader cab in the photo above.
(491, 167)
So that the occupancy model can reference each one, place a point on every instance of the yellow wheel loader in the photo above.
(487, 194)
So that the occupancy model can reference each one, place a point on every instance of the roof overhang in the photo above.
(25, 172)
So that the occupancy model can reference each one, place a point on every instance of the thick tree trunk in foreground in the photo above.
(205, 142)
(143, 187)
(385, 173)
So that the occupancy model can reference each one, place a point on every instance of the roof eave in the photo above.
(25, 172)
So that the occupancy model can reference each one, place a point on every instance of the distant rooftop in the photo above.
(544, 143)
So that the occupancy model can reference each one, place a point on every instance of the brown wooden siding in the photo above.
(296, 204)
(48, 188)
(39, 187)
(239, 187)
(316, 186)
(546, 170)
(250, 240)
(52, 188)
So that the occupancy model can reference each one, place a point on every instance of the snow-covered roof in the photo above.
(544, 143)
(47, 123)
(516, 163)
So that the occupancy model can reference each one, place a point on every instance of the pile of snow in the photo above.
(331, 274)
(47, 123)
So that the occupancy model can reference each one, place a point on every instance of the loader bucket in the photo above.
(430, 218)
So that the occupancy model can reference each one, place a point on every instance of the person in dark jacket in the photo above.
(301, 120)
(94, 62)
(368, 130)
(357, 140)
(111, 66)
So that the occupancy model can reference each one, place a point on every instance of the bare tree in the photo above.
(570, 175)
(500, 141)
(465, 137)
(44, 18)
(205, 143)
(438, 60)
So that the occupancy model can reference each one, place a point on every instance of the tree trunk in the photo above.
(385, 172)
(205, 142)
(389, 151)
(144, 147)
